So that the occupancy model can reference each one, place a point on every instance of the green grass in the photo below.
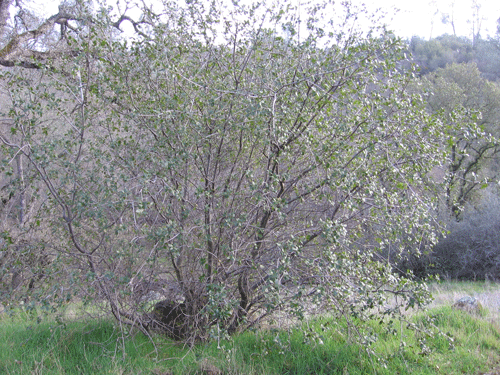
(71, 348)
(28, 346)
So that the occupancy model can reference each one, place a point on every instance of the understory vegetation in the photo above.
(464, 343)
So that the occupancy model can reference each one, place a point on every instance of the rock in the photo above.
(170, 318)
(468, 304)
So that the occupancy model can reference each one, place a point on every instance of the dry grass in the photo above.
(487, 293)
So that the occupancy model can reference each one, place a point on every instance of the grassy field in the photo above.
(29, 345)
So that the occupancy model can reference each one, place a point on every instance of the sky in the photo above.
(415, 17)
(424, 17)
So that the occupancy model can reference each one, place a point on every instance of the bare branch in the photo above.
(16, 51)
(135, 24)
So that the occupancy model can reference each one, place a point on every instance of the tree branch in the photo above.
(16, 51)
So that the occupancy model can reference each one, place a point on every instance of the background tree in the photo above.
(487, 55)
(36, 44)
(474, 147)
(440, 51)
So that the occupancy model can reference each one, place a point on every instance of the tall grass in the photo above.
(52, 346)
(68, 348)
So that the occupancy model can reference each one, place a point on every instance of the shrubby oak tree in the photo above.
(238, 163)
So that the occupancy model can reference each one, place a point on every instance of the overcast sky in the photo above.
(416, 17)
(424, 17)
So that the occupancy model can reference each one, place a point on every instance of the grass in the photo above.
(31, 346)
